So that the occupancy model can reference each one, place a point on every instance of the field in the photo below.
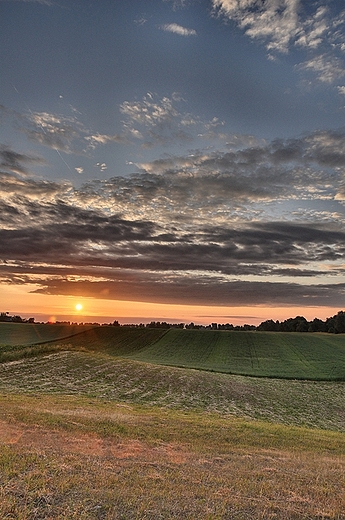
(261, 354)
(107, 424)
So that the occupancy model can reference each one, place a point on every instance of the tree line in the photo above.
(334, 325)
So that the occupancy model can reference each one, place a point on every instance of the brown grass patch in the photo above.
(66, 458)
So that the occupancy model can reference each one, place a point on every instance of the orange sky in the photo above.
(17, 300)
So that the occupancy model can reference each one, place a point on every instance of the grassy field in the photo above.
(67, 457)
(267, 354)
(100, 427)
(14, 334)
(261, 354)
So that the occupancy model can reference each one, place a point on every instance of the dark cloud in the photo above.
(202, 292)
(15, 162)
(57, 232)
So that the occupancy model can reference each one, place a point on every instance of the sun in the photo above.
(79, 307)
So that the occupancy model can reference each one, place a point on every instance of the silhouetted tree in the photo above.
(339, 322)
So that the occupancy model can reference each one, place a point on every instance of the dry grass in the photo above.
(65, 457)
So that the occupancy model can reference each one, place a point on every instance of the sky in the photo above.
(178, 160)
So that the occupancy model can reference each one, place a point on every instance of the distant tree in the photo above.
(225, 326)
(330, 324)
(297, 324)
(301, 324)
(339, 322)
(269, 325)
(317, 325)
(17, 319)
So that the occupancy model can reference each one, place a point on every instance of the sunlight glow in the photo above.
(79, 307)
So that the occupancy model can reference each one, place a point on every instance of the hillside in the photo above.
(261, 354)
(33, 333)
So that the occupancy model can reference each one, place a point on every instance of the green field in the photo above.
(267, 354)
(290, 355)
(14, 334)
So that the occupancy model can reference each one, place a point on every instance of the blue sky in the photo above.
(186, 152)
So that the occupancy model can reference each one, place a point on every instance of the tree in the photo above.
(339, 322)
(269, 325)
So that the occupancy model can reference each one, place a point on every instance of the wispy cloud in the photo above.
(284, 25)
(178, 29)
(53, 130)
(178, 4)
(327, 68)
(275, 21)
(161, 121)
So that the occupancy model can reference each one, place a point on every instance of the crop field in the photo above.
(286, 355)
(117, 423)
(314, 356)
(29, 333)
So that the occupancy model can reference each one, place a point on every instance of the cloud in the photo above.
(199, 292)
(178, 4)
(178, 29)
(14, 188)
(314, 30)
(160, 121)
(55, 226)
(63, 133)
(141, 20)
(149, 112)
(327, 68)
(216, 226)
(275, 21)
(102, 139)
(102, 166)
(55, 131)
(306, 167)
(17, 162)
(285, 25)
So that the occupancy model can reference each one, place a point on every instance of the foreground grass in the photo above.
(88, 435)
(67, 457)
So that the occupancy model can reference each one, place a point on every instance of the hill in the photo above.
(33, 333)
(262, 354)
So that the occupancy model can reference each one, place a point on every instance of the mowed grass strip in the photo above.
(66, 457)
(316, 404)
